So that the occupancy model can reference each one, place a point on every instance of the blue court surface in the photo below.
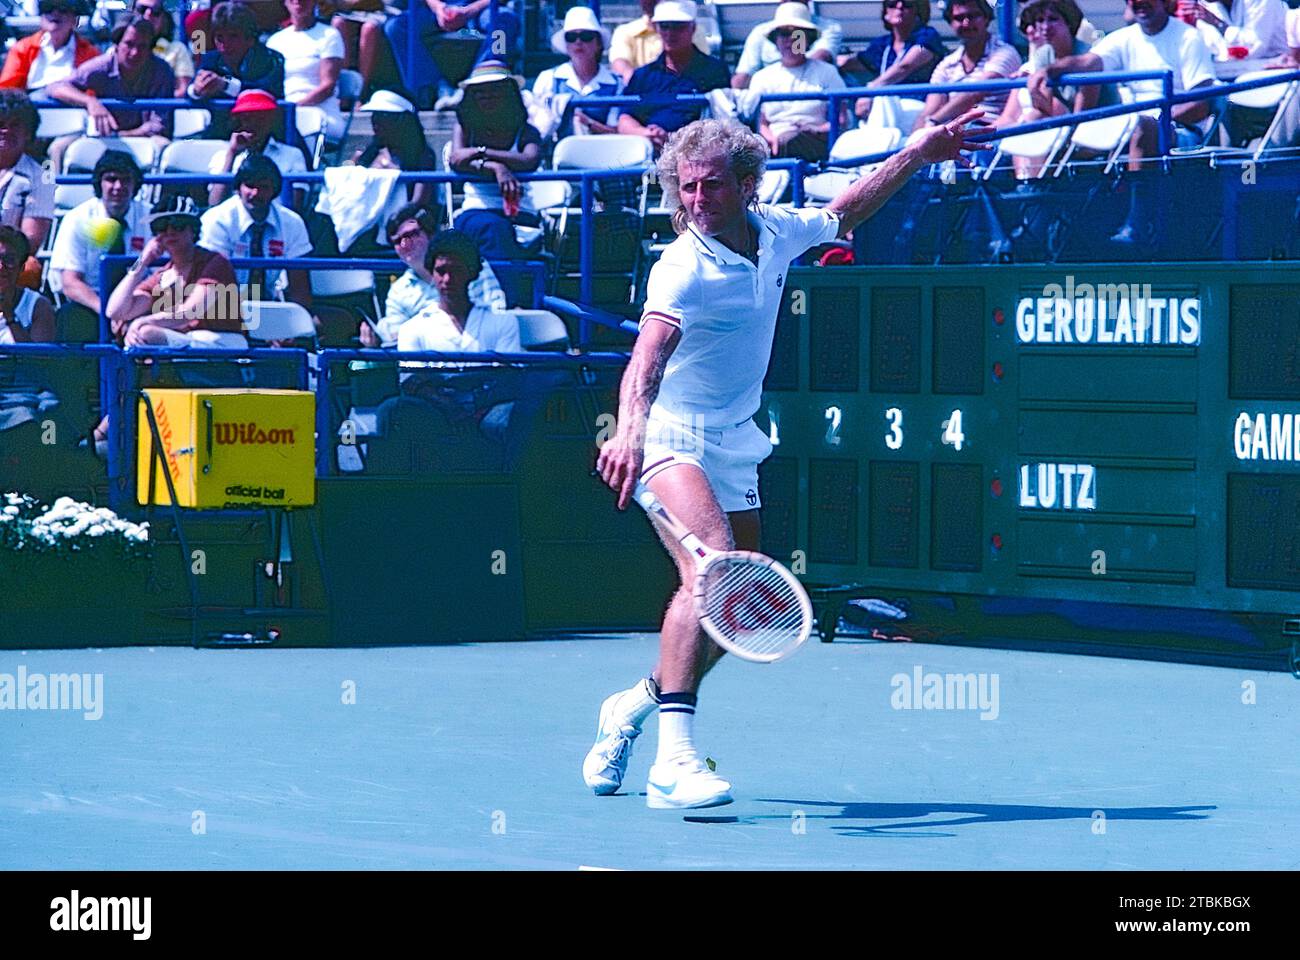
(456, 757)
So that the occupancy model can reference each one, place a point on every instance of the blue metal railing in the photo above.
(108, 261)
(174, 104)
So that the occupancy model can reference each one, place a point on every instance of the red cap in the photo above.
(253, 101)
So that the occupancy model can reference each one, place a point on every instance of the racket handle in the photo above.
(651, 504)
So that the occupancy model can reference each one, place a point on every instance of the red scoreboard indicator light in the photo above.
(996, 487)
(999, 317)
(996, 542)
(998, 371)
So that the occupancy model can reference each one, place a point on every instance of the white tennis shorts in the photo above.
(729, 457)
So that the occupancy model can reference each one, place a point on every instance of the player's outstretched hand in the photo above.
(946, 141)
(619, 465)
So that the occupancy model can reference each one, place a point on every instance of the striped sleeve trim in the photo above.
(658, 315)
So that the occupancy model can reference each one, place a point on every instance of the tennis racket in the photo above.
(747, 602)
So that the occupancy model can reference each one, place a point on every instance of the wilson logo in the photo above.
(250, 433)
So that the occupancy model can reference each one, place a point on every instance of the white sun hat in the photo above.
(386, 101)
(791, 14)
(674, 11)
(579, 18)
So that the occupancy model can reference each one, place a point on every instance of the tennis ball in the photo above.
(102, 231)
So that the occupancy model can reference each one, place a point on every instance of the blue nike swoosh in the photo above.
(660, 786)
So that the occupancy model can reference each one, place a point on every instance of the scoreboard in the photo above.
(1111, 433)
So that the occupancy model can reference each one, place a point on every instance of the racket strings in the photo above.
(753, 605)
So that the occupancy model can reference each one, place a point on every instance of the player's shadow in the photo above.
(923, 819)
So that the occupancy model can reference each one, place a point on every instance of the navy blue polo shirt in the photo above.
(702, 74)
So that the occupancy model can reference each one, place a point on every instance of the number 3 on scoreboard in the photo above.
(952, 431)
(894, 438)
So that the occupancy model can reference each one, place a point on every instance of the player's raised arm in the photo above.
(622, 455)
(936, 144)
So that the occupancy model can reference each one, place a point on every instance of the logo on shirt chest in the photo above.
(780, 279)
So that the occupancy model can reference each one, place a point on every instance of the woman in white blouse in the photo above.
(313, 56)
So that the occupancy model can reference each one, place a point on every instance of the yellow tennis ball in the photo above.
(102, 231)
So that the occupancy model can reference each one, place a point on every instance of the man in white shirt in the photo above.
(457, 325)
(691, 388)
(1257, 25)
(113, 214)
(254, 224)
(796, 128)
(409, 231)
(1156, 41)
(761, 50)
(252, 118)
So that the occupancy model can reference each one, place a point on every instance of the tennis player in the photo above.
(688, 396)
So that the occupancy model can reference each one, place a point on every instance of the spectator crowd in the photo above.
(226, 75)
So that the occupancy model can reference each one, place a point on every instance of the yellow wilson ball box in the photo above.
(230, 448)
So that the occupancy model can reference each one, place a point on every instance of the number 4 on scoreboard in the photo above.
(952, 433)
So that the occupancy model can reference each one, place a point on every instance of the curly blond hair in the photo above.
(745, 151)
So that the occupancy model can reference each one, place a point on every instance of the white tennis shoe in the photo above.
(685, 783)
(606, 763)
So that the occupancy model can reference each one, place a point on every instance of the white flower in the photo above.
(11, 510)
(96, 531)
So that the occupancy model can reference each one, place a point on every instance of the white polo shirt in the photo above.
(73, 251)
(486, 330)
(726, 308)
(227, 229)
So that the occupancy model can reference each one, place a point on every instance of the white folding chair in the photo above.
(1040, 143)
(541, 330)
(82, 154)
(605, 152)
(266, 320)
(345, 283)
(80, 157)
(60, 123)
(858, 142)
(1279, 97)
(448, 188)
(189, 156)
(350, 85)
(1107, 136)
(189, 123)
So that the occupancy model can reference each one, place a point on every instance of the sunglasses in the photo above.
(405, 235)
(786, 31)
(145, 11)
(581, 36)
